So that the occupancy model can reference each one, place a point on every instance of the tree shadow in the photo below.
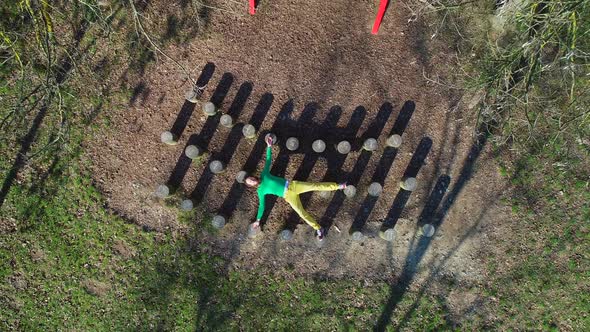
(83, 28)
(139, 91)
(423, 246)
(185, 26)
(181, 25)
(140, 52)
(183, 267)
(21, 156)
(62, 71)
(434, 200)
(436, 216)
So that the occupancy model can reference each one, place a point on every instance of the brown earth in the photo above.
(318, 52)
(94, 287)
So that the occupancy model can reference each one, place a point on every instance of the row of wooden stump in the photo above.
(292, 144)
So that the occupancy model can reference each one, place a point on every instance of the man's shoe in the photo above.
(320, 233)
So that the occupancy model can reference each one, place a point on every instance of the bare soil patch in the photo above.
(122, 249)
(321, 53)
(96, 288)
(18, 281)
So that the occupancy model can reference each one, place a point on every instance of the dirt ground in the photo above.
(317, 52)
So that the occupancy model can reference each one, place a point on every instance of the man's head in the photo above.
(252, 182)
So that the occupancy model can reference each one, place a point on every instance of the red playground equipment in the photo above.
(382, 7)
(380, 13)
(252, 7)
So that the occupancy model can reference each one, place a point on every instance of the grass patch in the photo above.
(69, 264)
(527, 62)
(547, 287)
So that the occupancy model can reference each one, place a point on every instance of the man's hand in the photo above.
(268, 140)
(256, 224)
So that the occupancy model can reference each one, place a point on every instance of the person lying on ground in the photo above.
(269, 184)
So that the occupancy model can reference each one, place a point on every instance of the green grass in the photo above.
(67, 263)
(66, 241)
(533, 71)
(534, 74)
(548, 287)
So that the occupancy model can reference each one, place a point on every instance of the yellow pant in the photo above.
(298, 187)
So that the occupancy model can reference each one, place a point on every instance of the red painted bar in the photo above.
(380, 13)
(252, 7)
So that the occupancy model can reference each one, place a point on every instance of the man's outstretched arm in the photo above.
(266, 169)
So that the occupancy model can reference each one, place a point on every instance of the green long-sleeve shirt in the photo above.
(269, 184)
